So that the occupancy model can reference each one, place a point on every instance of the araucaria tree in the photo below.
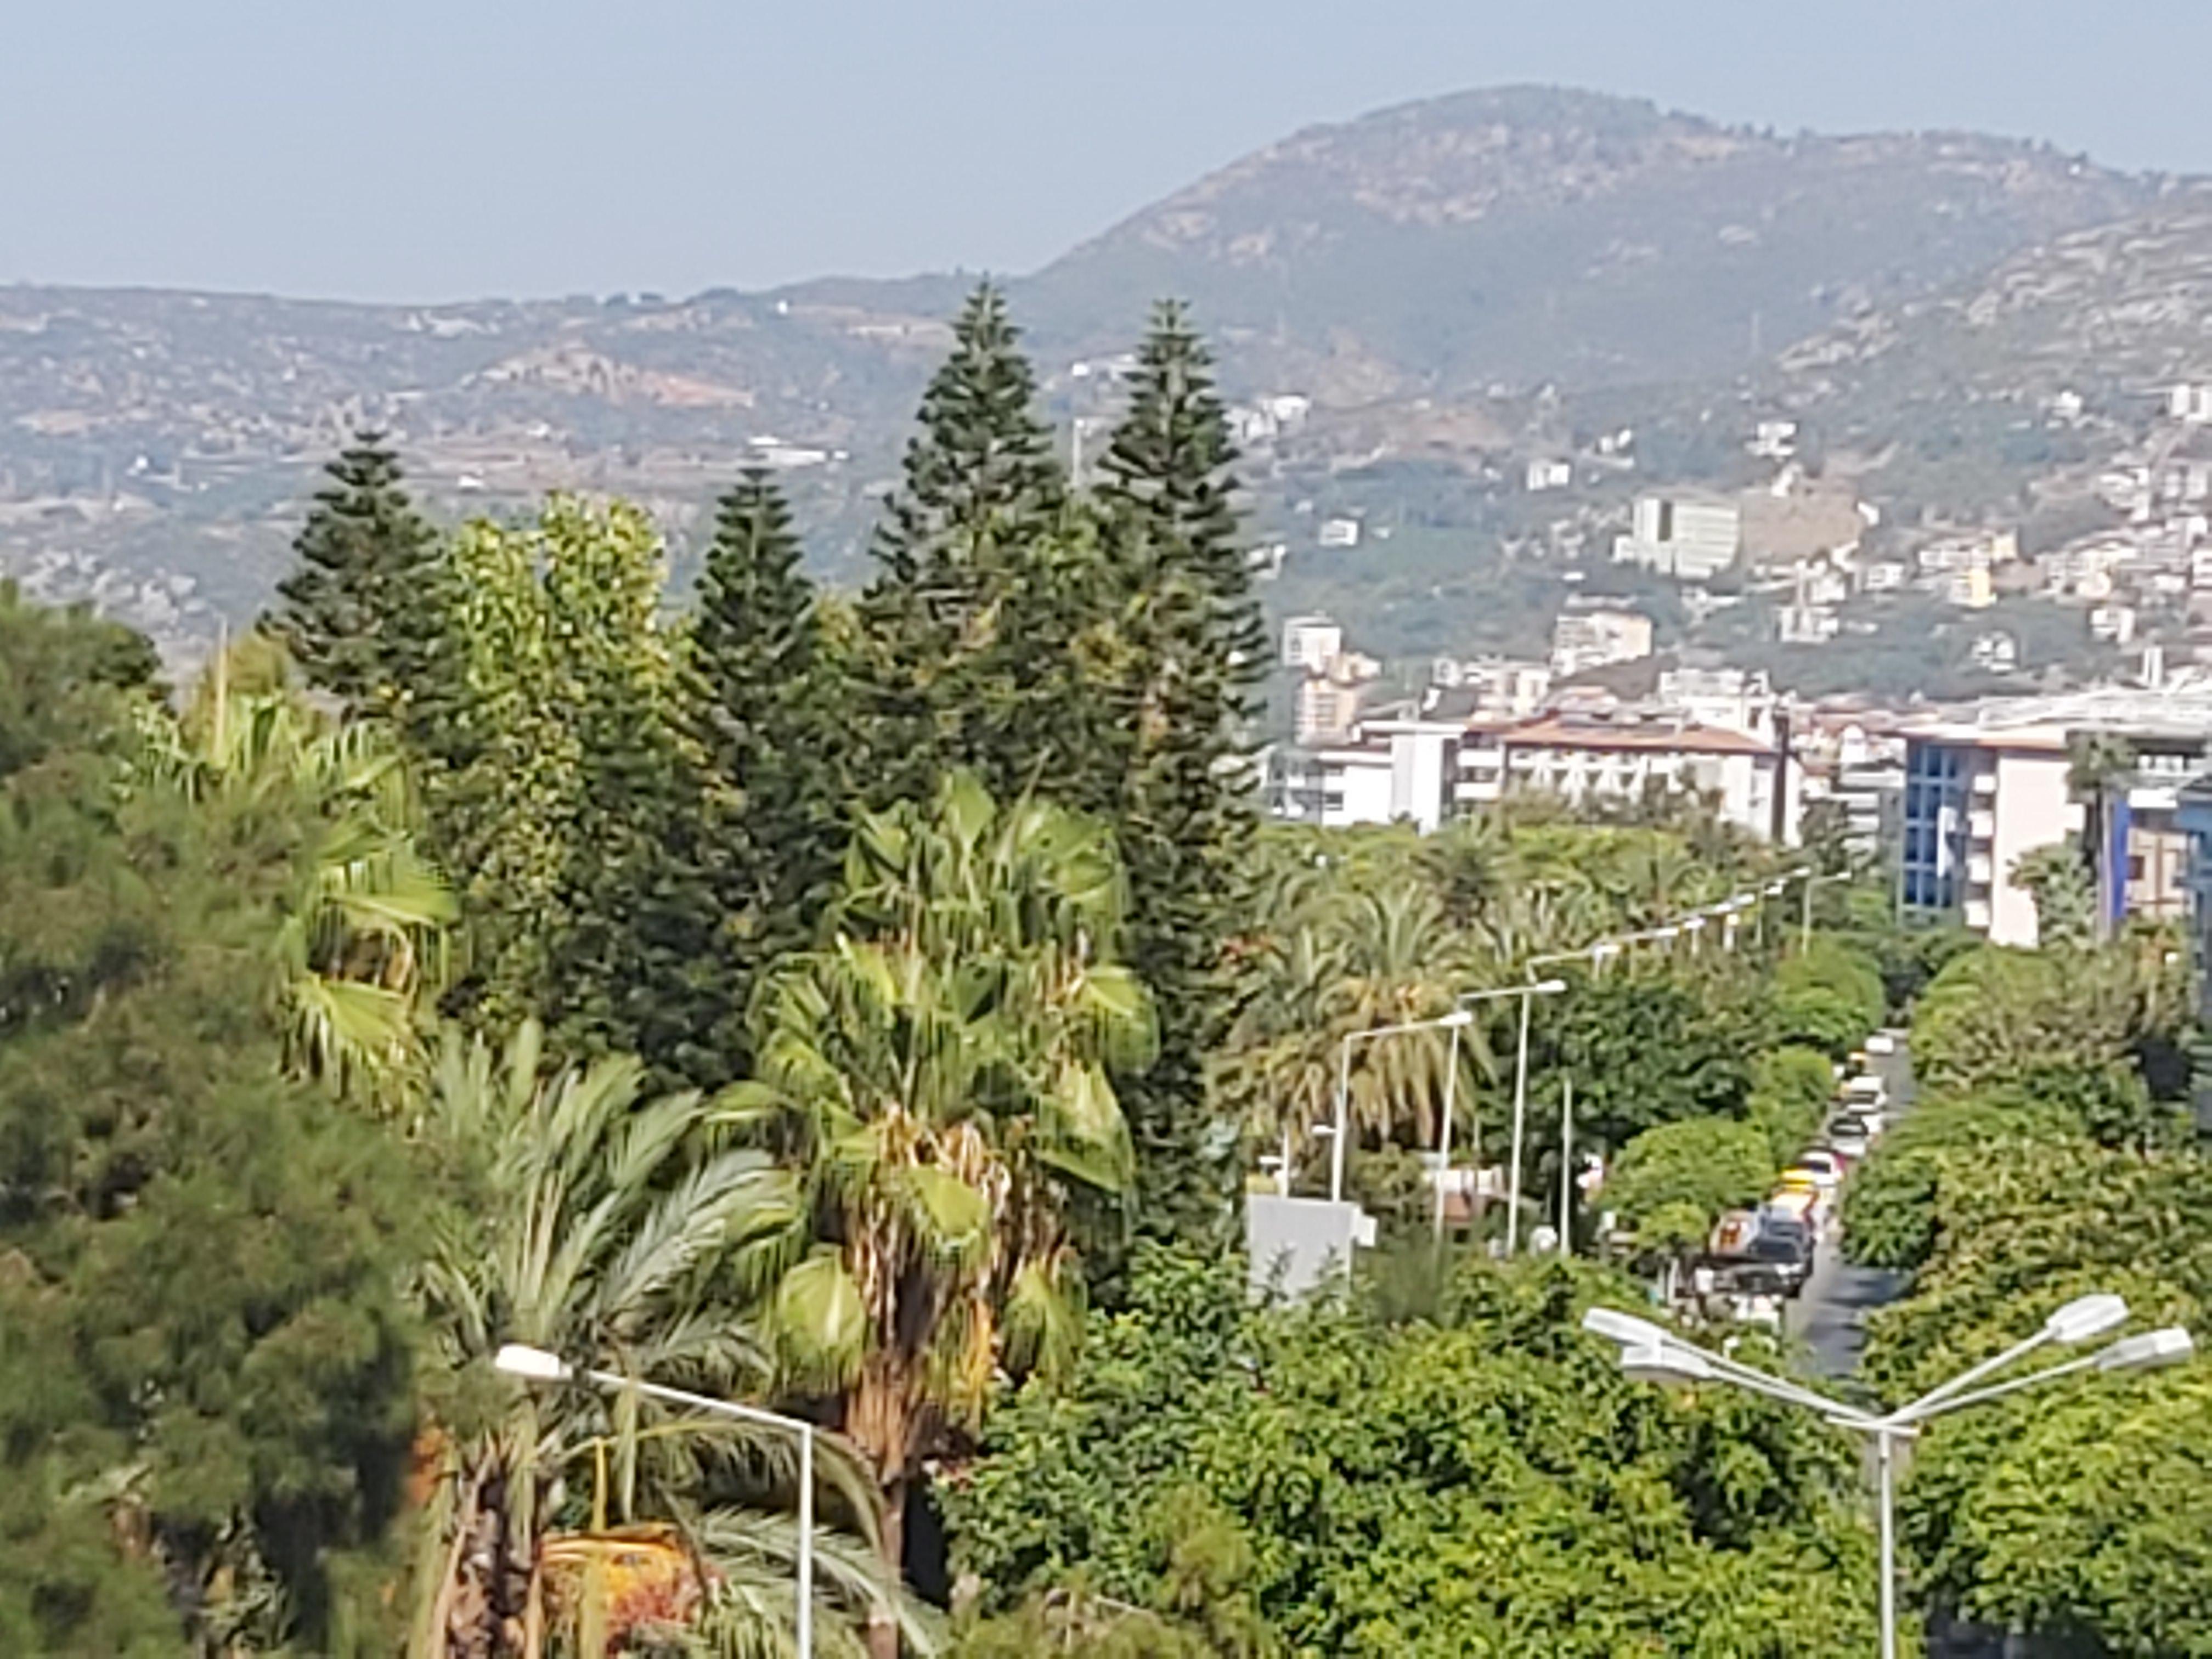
(768, 712)
(936, 1076)
(353, 612)
(964, 562)
(1190, 648)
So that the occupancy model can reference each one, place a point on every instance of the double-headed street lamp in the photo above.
(1651, 1354)
(1340, 1131)
(537, 1365)
(1527, 994)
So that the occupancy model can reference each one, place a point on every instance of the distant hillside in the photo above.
(1528, 236)
(1420, 275)
(2111, 310)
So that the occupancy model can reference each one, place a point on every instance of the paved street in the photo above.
(1838, 1296)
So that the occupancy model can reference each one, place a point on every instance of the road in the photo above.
(1828, 1316)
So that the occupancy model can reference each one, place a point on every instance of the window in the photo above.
(2134, 867)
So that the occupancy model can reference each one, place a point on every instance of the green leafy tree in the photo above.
(353, 612)
(936, 1078)
(771, 720)
(1487, 1483)
(1829, 996)
(1791, 1088)
(2071, 1514)
(565, 792)
(962, 548)
(1710, 1164)
(362, 939)
(68, 674)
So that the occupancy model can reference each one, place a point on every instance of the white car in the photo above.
(1881, 1043)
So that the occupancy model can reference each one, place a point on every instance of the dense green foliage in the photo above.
(1697, 1167)
(1828, 996)
(208, 1348)
(819, 1005)
(2050, 1171)
(1490, 1486)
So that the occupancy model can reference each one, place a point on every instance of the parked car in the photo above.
(1865, 1119)
(1881, 1043)
(1784, 1244)
(1765, 1252)
(1849, 1136)
(1869, 1091)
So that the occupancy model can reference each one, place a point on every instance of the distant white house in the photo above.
(1340, 532)
(1549, 475)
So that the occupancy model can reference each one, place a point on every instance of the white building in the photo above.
(2190, 403)
(1340, 532)
(1312, 643)
(1774, 440)
(1587, 760)
(1549, 475)
(1327, 703)
(1387, 772)
(1503, 686)
(1690, 538)
(1594, 633)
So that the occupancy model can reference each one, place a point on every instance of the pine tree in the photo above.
(1189, 653)
(958, 555)
(768, 713)
(354, 613)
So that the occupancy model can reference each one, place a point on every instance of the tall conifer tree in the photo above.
(1189, 653)
(770, 718)
(958, 556)
(355, 611)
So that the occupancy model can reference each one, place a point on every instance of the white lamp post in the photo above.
(1651, 1354)
(537, 1365)
(1550, 988)
(1340, 1131)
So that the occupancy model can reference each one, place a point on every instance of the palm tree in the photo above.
(605, 1226)
(1399, 962)
(935, 1078)
(2101, 763)
(364, 935)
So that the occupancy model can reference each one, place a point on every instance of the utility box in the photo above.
(1294, 1245)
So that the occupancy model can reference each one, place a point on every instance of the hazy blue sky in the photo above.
(435, 148)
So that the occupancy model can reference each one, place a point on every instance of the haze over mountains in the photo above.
(1434, 278)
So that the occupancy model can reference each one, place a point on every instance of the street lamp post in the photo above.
(1527, 994)
(537, 1365)
(1454, 1022)
(1651, 1354)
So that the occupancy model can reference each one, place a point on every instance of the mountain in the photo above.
(1420, 275)
(1528, 236)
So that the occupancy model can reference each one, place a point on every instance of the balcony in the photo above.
(1982, 824)
(1985, 783)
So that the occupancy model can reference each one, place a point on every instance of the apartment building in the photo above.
(1690, 537)
(1591, 758)
(1980, 794)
